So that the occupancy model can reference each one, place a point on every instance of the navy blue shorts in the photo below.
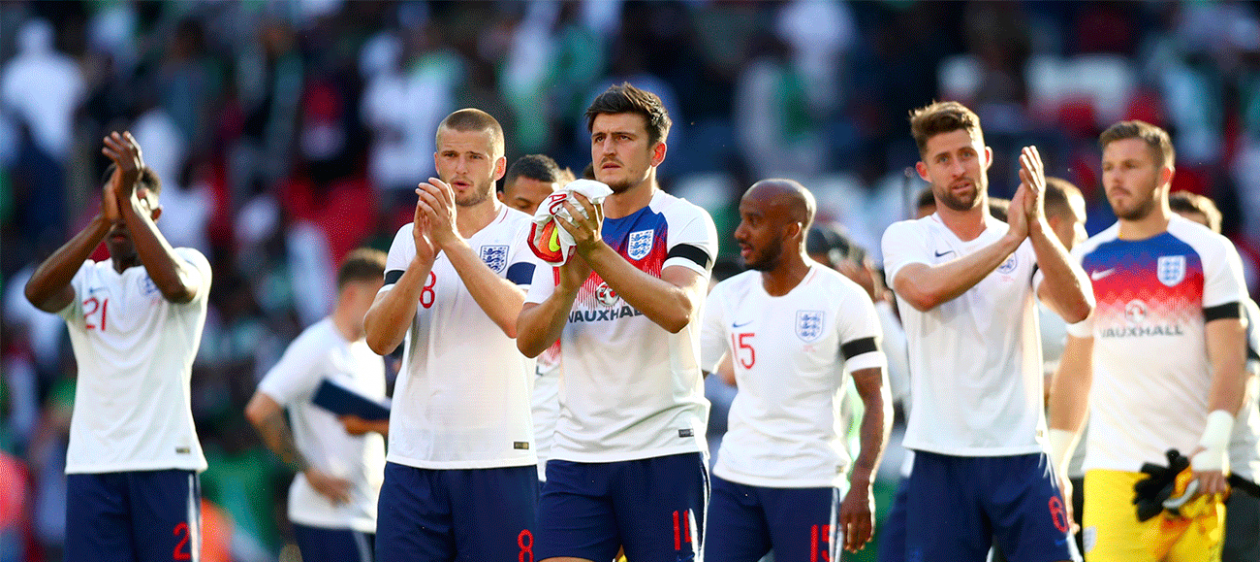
(653, 507)
(746, 522)
(474, 514)
(144, 516)
(892, 536)
(957, 507)
(323, 544)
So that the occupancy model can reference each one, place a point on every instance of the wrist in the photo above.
(1214, 442)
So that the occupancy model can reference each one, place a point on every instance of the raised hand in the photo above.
(588, 219)
(426, 250)
(1032, 175)
(437, 202)
(125, 152)
(1017, 217)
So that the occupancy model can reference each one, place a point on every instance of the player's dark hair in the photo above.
(1156, 139)
(1186, 202)
(538, 167)
(624, 98)
(942, 117)
(363, 264)
(1058, 194)
(148, 178)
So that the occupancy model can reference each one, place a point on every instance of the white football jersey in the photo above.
(629, 389)
(1152, 373)
(975, 361)
(1244, 445)
(790, 354)
(546, 404)
(462, 399)
(135, 351)
(321, 353)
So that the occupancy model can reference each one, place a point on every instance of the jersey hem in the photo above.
(357, 525)
(132, 467)
(575, 456)
(462, 465)
(779, 483)
(976, 451)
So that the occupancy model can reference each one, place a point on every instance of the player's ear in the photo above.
(922, 169)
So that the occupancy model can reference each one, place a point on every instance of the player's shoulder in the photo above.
(737, 284)
(1204, 241)
(909, 228)
(835, 284)
(1111, 234)
(676, 209)
(318, 338)
(193, 256)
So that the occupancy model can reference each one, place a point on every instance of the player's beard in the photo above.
(475, 196)
(766, 259)
(1139, 210)
(965, 202)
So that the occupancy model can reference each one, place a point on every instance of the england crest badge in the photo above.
(1171, 270)
(495, 257)
(809, 324)
(639, 244)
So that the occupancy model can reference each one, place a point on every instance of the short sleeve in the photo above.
(1222, 275)
(694, 244)
(295, 377)
(401, 251)
(712, 333)
(859, 331)
(903, 244)
(524, 263)
(1082, 329)
(543, 284)
(201, 266)
(73, 312)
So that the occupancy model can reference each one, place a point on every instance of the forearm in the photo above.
(49, 286)
(279, 438)
(1226, 346)
(876, 421)
(1064, 287)
(541, 324)
(926, 287)
(1070, 386)
(386, 322)
(499, 298)
(172, 276)
(668, 305)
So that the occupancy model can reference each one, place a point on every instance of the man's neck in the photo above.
(1153, 224)
(123, 265)
(346, 324)
(470, 220)
(966, 225)
(629, 202)
(786, 275)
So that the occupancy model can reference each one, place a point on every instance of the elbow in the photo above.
(1078, 312)
(675, 323)
(509, 328)
(529, 347)
(33, 296)
(379, 345)
(921, 302)
(178, 295)
(255, 413)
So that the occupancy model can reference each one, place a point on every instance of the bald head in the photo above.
(775, 215)
(784, 196)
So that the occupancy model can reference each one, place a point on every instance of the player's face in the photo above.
(469, 162)
(1069, 225)
(759, 235)
(620, 150)
(1133, 178)
(957, 166)
(526, 194)
(118, 240)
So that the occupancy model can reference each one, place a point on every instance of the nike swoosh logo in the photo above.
(737, 325)
(945, 253)
(1096, 275)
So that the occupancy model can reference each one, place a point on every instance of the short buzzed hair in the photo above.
(625, 98)
(1059, 193)
(942, 117)
(1156, 139)
(469, 119)
(539, 167)
(1187, 202)
(148, 179)
(363, 264)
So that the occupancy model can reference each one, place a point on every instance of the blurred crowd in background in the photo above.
(288, 132)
